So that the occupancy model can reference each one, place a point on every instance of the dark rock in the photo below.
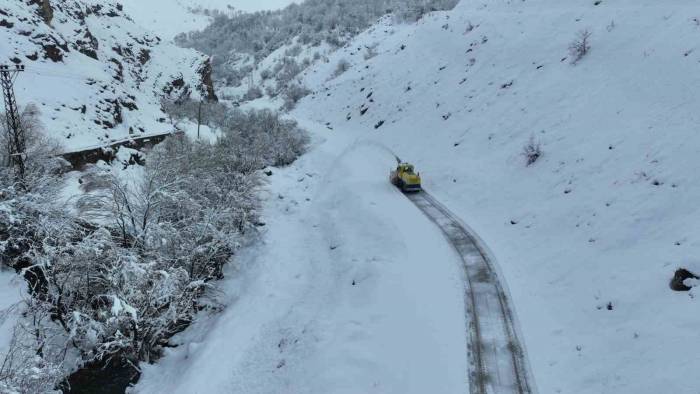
(207, 86)
(679, 277)
(45, 10)
(53, 52)
(144, 56)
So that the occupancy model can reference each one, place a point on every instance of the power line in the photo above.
(54, 73)
(15, 132)
(57, 75)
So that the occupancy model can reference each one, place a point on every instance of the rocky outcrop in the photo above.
(110, 75)
(45, 10)
(207, 86)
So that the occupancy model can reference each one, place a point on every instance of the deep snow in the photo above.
(587, 237)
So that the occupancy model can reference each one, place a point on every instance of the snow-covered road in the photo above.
(498, 363)
(352, 290)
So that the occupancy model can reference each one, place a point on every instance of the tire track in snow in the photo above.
(496, 357)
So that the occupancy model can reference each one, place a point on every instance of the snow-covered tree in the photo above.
(312, 22)
(137, 266)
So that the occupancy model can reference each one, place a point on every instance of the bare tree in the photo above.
(532, 151)
(135, 267)
(341, 68)
(371, 51)
(293, 93)
(580, 46)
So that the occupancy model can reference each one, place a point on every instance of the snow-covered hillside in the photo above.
(587, 237)
(171, 17)
(94, 74)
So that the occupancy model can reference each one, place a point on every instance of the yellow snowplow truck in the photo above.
(405, 178)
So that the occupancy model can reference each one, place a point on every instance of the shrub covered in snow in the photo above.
(265, 135)
(312, 21)
(532, 151)
(370, 51)
(31, 364)
(254, 92)
(126, 283)
(262, 137)
(136, 267)
(41, 163)
(580, 46)
(342, 67)
(293, 93)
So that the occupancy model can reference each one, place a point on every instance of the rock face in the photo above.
(45, 10)
(207, 87)
(678, 281)
(96, 76)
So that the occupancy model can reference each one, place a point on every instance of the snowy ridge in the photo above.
(94, 74)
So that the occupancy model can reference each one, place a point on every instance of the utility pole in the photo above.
(15, 132)
(199, 118)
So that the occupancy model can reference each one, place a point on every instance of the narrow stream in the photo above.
(103, 378)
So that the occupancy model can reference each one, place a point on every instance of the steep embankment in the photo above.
(94, 74)
(590, 234)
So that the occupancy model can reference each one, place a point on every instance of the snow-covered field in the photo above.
(587, 237)
(170, 17)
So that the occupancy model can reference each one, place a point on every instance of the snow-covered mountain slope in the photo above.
(95, 75)
(589, 235)
(171, 17)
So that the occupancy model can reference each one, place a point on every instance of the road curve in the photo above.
(497, 362)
